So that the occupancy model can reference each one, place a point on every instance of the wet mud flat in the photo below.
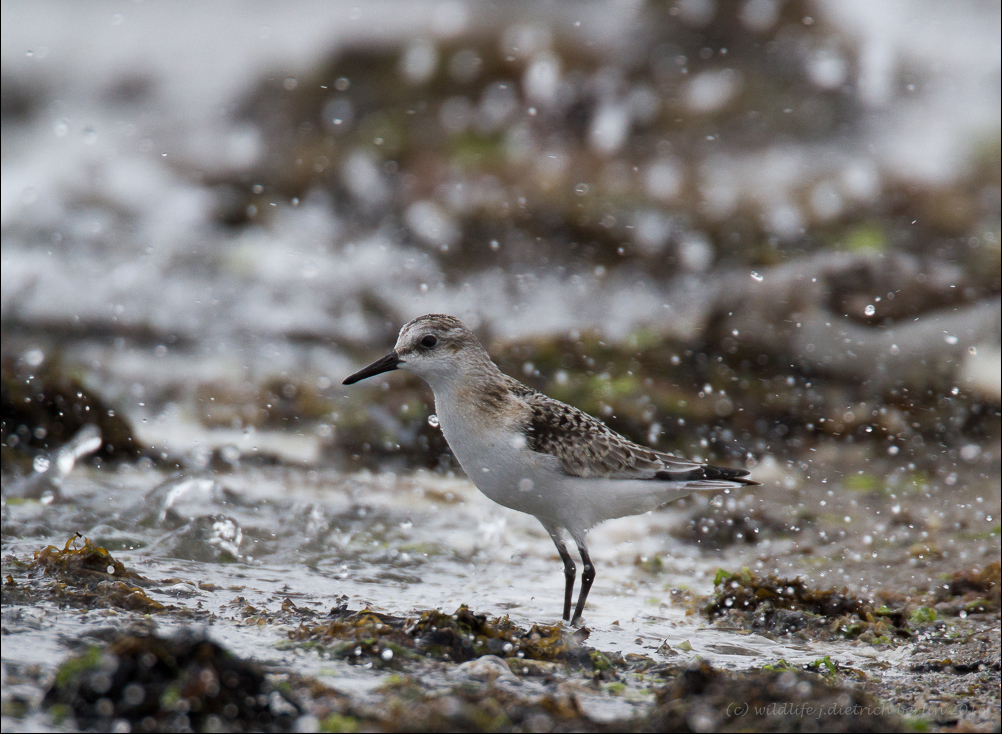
(280, 597)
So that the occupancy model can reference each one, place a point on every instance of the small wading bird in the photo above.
(535, 454)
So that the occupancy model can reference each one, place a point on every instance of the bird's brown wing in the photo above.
(586, 447)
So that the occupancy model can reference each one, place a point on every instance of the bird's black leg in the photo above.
(569, 571)
(587, 576)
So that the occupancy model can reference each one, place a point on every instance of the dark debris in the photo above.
(43, 408)
(713, 530)
(187, 683)
(701, 698)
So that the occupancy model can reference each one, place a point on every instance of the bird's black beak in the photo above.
(384, 364)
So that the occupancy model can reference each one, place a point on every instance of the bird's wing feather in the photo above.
(586, 447)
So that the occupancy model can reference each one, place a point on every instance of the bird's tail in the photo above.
(714, 477)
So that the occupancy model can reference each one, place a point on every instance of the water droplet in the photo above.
(970, 452)
(34, 357)
(870, 309)
(758, 277)
(433, 421)
(386, 654)
(950, 339)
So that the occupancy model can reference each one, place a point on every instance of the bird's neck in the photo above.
(473, 397)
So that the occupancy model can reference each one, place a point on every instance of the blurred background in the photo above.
(727, 228)
(761, 233)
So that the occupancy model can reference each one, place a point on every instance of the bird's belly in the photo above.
(498, 463)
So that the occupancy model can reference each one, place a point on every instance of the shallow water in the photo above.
(229, 546)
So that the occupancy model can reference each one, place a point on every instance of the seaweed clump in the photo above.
(701, 698)
(459, 637)
(972, 591)
(785, 606)
(187, 683)
(87, 576)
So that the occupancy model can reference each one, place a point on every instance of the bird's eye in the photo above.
(428, 341)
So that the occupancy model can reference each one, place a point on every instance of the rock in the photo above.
(487, 669)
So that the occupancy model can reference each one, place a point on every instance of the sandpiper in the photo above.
(535, 454)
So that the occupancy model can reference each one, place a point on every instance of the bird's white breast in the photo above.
(493, 453)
